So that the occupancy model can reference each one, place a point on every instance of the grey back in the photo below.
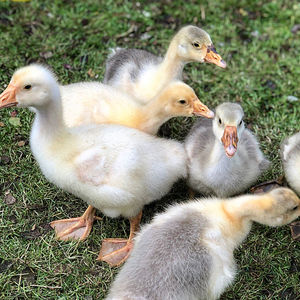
(231, 176)
(134, 58)
(168, 261)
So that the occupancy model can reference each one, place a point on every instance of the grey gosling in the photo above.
(186, 253)
(224, 158)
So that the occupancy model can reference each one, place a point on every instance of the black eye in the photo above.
(220, 121)
(182, 101)
(27, 87)
(196, 45)
(241, 123)
(295, 208)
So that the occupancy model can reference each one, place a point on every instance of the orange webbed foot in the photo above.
(115, 251)
(75, 228)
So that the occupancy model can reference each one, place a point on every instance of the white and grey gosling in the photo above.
(224, 158)
(186, 253)
(143, 74)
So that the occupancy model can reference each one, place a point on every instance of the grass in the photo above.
(253, 37)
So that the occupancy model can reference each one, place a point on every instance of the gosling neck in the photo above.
(154, 115)
(172, 65)
(243, 210)
(236, 226)
(49, 117)
(246, 207)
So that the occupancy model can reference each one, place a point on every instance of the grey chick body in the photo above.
(131, 60)
(186, 253)
(181, 266)
(211, 171)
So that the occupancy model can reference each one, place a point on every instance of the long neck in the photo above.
(172, 65)
(154, 114)
(249, 207)
(242, 211)
(48, 122)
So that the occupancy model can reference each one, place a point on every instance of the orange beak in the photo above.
(213, 57)
(202, 110)
(230, 140)
(8, 97)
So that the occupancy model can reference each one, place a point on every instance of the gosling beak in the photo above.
(201, 110)
(230, 140)
(8, 97)
(213, 57)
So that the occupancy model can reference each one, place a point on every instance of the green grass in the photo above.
(253, 37)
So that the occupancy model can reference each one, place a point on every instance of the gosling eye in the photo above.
(295, 208)
(182, 101)
(196, 45)
(27, 87)
(220, 121)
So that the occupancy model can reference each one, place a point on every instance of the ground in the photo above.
(260, 42)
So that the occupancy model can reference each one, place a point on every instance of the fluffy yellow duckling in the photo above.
(115, 169)
(93, 102)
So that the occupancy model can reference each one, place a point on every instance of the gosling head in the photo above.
(194, 44)
(283, 208)
(181, 100)
(33, 86)
(228, 126)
